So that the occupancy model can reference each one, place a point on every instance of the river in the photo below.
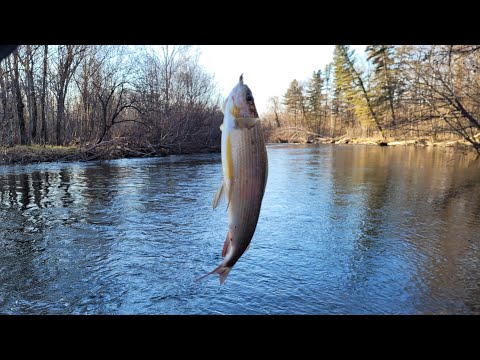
(342, 230)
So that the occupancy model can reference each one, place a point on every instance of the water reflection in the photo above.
(343, 229)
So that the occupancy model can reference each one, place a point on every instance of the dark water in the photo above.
(343, 230)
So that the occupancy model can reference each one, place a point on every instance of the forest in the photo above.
(423, 94)
(88, 101)
(135, 100)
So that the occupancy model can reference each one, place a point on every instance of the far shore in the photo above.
(22, 154)
(421, 142)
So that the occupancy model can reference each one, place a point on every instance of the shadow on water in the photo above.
(343, 229)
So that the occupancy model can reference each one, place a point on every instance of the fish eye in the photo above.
(249, 97)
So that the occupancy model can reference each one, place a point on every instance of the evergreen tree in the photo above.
(294, 100)
(341, 80)
(327, 85)
(384, 82)
(314, 98)
(349, 82)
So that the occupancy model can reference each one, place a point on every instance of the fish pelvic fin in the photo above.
(221, 270)
(223, 194)
(219, 195)
(227, 244)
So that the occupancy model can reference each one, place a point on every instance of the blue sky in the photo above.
(267, 69)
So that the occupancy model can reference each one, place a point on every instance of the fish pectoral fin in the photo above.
(227, 244)
(246, 122)
(219, 195)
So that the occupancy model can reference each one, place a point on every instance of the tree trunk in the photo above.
(43, 135)
(31, 95)
(4, 100)
(19, 101)
(390, 88)
(367, 97)
(59, 124)
(276, 118)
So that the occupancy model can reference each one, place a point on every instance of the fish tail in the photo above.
(221, 270)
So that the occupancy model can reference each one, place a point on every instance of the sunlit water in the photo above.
(342, 230)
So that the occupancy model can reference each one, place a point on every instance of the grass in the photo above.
(21, 154)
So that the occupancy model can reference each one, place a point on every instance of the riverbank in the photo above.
(421, 142)
(292, 135)
(392, 142)
(108, 150)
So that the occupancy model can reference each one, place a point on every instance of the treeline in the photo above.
(395, 92)
(156, 97)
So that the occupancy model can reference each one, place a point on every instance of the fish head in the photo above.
(240, 102)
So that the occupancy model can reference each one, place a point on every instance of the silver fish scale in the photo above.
(250, 176)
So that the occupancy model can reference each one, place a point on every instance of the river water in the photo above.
(342, 230)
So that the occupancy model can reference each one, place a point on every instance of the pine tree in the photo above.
(384, 79)
(340, 79)
(350, 84)
(327, 88)
(314, 98)
(294, 100)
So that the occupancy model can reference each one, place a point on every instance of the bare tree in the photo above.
(114, 90)
(43, 135)
(146, 96)
(19, 99)
(4, 108)
(28, 64)
(68, 58)
(275, 108)
(449, 84)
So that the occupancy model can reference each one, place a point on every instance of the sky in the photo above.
(267, 69)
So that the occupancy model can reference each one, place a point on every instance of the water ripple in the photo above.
(342, 230)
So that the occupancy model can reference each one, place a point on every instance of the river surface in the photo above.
(342, 230)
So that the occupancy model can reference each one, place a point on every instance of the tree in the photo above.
(384, 80)
(68, 58)
(326, 96)
(294, 100)
(342, 83)
(28, 64)
(177, 98)
(314, 98)
(7, 133)
(349, 80)
(274, 102)
(448, 80)
(114, 89)
(43, 98)
(19, 99)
